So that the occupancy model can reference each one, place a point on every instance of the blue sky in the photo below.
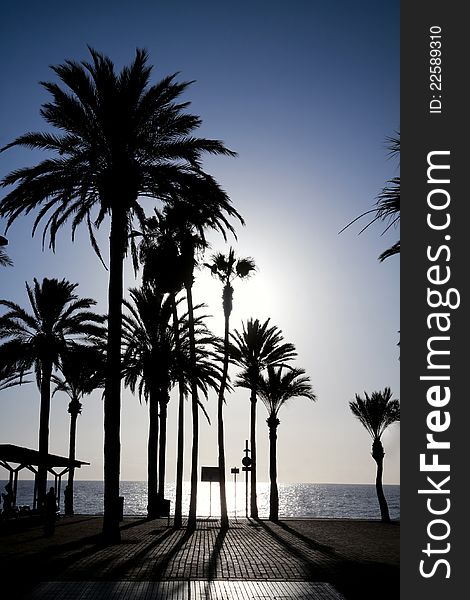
(306, 93)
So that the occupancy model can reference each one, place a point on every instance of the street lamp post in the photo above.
(246, 462)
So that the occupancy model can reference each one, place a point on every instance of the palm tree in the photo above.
(387, 206)
(172, 241)
(159, 253)
(255, 348)
(145, 367)
(120, 139)
(82, 371)
(153, 362)
(226, 268)
(376, 412)
(275, 391)
(40, 340)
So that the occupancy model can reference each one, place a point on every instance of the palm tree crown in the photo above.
(227, 268)
(278, 388)
(58, 321)
(257, 346)
(376, 412)
(123, 139)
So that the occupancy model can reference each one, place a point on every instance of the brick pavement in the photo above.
(250, 551)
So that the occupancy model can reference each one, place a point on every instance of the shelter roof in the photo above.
(26, 456)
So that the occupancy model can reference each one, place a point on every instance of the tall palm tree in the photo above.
(255, 348)
(275, 391)
(208, 375)
(82, 371)
(173, 239)
(376, 412)
(39, 340)
(153, 363)
(226, 268)
(387, 206)
(119, 139)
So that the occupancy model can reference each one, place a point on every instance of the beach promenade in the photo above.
(327, 559)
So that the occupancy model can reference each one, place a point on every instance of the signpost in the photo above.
(210, 474)
(235, 471)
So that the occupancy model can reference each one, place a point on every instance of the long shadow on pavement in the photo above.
(214, 559)
(314, 545)
(357, 580)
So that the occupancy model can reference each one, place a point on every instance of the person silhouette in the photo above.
(68, 500)
(50, 509)
(7, 500)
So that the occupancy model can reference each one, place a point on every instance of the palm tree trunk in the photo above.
(112, 394)
(273, 423)
(68, 506)
(195, 413)
(253, 498)
(44, 414)
(378, 455)
(162, 449)
(152, 454)
(180, 443)
(220, 426)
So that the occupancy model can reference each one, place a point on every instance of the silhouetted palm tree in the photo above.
(387, 206)
(208, 375)
(146, 367)
(226, 268)
(82, 371)
(275, 391)
(376, 412)
(122, 140)
(162, 265)
(39, 340)
(255, 348)
(153, 363)
(172, 241)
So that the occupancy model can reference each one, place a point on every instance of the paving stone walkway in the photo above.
(184, 590)
(251, 560)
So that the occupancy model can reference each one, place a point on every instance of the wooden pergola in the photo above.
(25, 458)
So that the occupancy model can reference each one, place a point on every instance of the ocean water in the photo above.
(314, 500)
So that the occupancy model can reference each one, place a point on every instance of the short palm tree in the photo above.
(275, 391)
(119, 140)
(147, 341)
(256, 347)
(376, 412)
(226, 268)
(39, 340)
(387, 206)
(82, 370)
